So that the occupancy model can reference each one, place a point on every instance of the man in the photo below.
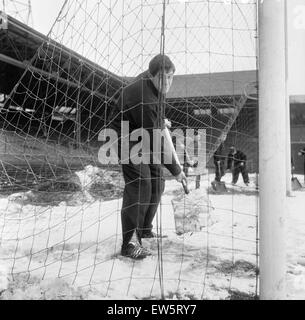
(139, 104)
(237, 162)
(302, 152)
(219, 162)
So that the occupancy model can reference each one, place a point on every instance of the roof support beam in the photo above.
(24, 65)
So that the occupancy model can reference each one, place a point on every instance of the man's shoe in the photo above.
(152, 235)
(135, 251)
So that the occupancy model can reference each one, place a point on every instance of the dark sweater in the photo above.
(139, 104)
(236, 159)
(219, 155)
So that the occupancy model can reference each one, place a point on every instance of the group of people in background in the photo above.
(236, 163)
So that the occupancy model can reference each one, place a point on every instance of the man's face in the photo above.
(167, 81)
(223, 138)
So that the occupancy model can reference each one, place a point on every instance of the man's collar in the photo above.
(151, 84)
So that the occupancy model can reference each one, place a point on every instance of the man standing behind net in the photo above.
(139, 104)
(219, 161)
(301, 153)
(237, 162)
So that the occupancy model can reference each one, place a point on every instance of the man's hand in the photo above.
(192, 163)
(183, 180)
(242, 164)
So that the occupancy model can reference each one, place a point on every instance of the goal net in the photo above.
(60, 224)
(19, 9)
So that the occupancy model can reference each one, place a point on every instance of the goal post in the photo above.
(288, 128)
(272, 149)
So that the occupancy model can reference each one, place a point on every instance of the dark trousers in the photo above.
(144, 185)
(219, 170)
(243, 170)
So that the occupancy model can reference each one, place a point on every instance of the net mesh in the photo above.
(19, 9)
(60, 209)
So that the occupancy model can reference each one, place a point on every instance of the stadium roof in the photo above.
(214, 84)
(19, 44)
(297, 99)
(24, 42)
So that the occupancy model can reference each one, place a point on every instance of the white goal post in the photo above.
(272, 149)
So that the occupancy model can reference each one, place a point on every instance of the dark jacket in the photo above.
(236, 159)
(139, 104)
(219, 155)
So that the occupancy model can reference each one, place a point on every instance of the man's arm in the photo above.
(146, 116)
(243, 157)
(171, 151)
(216, 157)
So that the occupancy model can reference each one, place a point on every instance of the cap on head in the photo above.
(156, 64)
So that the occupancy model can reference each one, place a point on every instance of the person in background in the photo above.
(237, 163)
(219, 161)
(302, 152)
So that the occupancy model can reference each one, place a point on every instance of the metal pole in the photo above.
(272, 149)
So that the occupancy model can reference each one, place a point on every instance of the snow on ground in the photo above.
(71, 251)
(296, 245)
